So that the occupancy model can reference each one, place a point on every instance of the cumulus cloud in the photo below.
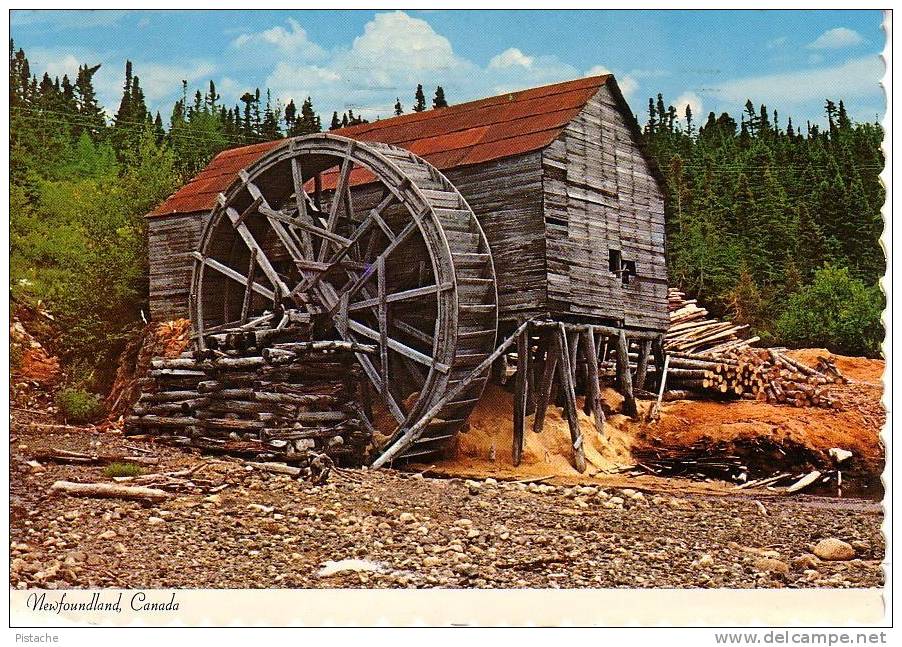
(512, 57)
(293, 41)
(856, 78)
(391, 56)
(837, 38)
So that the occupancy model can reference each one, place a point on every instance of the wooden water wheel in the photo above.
(369, 243)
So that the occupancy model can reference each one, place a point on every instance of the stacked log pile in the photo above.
(250, 394)
(708, 356)
(691, 331)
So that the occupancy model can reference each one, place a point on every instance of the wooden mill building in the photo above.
(572, 208)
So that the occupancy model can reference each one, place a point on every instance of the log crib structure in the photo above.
(432, 247)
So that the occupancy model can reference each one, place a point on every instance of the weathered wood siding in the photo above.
(506, 196)
(170, 240)
(599, 194)
(551, 218)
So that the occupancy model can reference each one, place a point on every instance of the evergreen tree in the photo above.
(439, 100)
(91, 113)
(420, 99)
(336, 122)
(399, 110)
(291, 112)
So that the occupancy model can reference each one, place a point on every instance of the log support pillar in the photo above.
(624, 375)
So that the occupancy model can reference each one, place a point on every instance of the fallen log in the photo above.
(110, 491)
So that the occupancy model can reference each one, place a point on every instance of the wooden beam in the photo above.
(543, 396)
(406, 438)
(593, 388)
(397, 346)
(624, 375)
(383, 319)
(565, 372)
(232, 274)
(520, 395)
(642, 364)
(249, 288)
(337, 198)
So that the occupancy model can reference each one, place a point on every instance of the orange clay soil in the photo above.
(485, 449)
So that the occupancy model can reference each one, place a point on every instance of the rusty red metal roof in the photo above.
(467, 133)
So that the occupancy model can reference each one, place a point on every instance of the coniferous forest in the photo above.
(772, 222)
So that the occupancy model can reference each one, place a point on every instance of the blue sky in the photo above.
(710, 60)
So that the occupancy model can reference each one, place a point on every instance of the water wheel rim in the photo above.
(423, 214)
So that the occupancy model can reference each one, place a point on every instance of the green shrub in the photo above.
(78, 405)
(837, 311)
(122, 469)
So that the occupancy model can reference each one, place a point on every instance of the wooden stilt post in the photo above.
(642, 364)
(536, 364)
(544, 393)
(565, 371)
(623, 373)
(657, 350)
(593, 388)
(520, 388)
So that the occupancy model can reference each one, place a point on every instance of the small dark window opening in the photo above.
(620, 267)
(629, 269)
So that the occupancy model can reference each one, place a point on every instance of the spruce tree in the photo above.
(291, 112)
(336, 122)
(439, 100)
(89, 109)
(399, 110)
(420, 99)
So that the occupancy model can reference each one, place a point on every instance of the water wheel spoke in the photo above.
(300, 199)
(413, 293)
(416, 333)
(225, 270)
(252, 244)
(392, 246)
(373, 374)
(398, 347)
(341, 196)
(374, 216)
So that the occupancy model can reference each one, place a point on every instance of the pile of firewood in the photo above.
(248, 394)
(708, 356)
(691, 331)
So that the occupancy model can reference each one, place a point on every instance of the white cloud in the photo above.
(837, 38)
(688, 99)
(626, 82)
(512, 57)
(394, 53)
(856, 78)
(293, 41)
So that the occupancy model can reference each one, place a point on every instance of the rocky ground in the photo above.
(398, 529)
